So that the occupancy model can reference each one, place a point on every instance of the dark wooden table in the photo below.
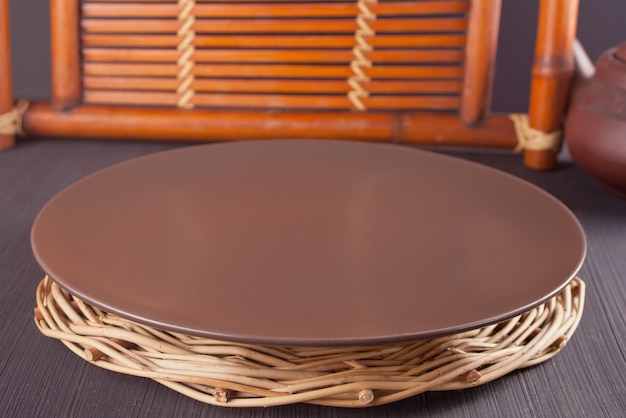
(39, 377)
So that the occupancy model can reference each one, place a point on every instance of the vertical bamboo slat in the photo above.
(6, 83)
(64, 25)
(482, 42)
(552, 73)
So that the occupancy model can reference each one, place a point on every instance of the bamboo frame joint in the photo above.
(11, 121)
(553, 65)
(529, 138)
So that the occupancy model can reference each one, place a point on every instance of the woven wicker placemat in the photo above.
(247, 375)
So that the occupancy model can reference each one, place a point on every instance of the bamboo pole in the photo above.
(396, 56)
(261, 71)
(270, 101)
(6, 80)
(302, 25)
(271, 9)
(552, 73)
(241, 85)
(482, 41)
(66, 89)
(274, 41)
(124, 122)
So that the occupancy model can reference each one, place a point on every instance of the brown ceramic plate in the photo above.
(306, 242)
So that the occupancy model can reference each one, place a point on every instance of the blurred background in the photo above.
(601, 24)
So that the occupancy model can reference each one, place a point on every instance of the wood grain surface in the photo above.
(41, 378)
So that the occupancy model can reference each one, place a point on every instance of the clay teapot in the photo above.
(595, 129)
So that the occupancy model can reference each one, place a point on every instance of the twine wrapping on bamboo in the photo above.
(533, 139)
(186, 62)
(11, 122)
(364, 31)
(247, 375)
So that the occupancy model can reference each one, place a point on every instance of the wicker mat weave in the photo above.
(245, 375)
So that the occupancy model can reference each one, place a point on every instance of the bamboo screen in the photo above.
(274, 54)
